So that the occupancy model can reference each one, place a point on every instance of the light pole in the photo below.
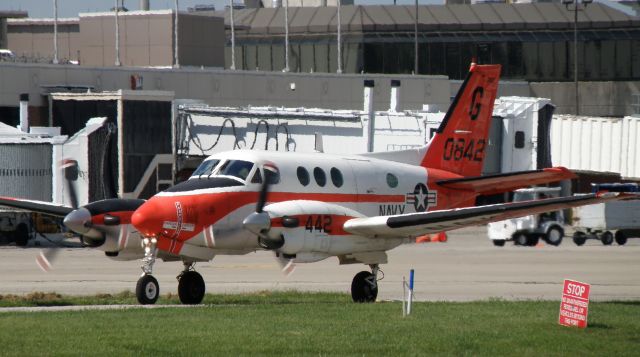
(55, 31)
(576, 8)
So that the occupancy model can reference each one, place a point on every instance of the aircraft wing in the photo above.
(50, 208)
(498, 183)
(417, 224)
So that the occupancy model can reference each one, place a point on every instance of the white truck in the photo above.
(16, 226)
(616, 220)
(20, 227)
(528, 230)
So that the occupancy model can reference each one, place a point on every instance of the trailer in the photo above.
(608, 222)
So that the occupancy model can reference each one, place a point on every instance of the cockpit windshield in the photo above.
(236, 168)
(206, 168)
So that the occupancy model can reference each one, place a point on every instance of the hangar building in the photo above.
(532, 41)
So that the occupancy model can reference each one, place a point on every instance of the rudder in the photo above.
(460, 142)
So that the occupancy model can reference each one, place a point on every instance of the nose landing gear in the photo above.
(148, 289)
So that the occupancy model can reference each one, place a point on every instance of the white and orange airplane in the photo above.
(309, 207)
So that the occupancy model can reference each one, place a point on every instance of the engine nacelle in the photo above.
(122, 243)
(307, 226)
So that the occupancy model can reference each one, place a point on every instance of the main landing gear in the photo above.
(364, 287)
(191, 286)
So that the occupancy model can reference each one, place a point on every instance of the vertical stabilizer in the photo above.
(461, 141)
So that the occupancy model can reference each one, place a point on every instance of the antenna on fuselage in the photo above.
(319, 147)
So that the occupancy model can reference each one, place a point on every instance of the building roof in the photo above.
(400, 18)
(13, 14)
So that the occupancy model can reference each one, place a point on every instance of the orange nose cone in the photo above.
(147, 220)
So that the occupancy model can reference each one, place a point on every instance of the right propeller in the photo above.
(259, 222)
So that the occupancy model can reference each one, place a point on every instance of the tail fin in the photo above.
(461, 140)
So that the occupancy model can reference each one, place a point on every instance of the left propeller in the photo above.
(77, 219)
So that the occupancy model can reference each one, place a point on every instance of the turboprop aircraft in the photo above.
(306, 207)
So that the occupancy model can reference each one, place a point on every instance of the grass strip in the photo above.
(297, 323)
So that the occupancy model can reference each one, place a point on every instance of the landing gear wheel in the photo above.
(520, 239)
(147, 290)
(606, 238)
(364, 288)
(498, 242)
(191, 288)
(579, 238)
(554, 236)
(621, 238)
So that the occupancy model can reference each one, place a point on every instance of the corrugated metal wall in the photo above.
(597, 144)
(26, 171)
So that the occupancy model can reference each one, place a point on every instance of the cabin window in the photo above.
(236, 168)
(303, 176)
(336, 177)
(272, 175)
(320, 176)
(206, 168)
(257, 177)
(392, 180)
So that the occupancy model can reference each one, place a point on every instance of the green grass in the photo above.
(294, 323)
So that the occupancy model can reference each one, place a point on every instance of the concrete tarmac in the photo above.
(467, 267)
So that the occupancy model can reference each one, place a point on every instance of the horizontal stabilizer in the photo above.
(505, 182)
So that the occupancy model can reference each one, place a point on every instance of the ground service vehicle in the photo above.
(528, 230)
(609, 221)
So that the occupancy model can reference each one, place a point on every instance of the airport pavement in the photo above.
(467, 267)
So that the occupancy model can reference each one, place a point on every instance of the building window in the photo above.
(519, 143)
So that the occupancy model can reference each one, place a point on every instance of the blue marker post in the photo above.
(411, 274)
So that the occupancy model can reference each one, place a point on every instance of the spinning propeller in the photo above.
(76, 219)
(259, 222)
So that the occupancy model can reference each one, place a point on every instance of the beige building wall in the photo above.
(146, 39)
(34, 39)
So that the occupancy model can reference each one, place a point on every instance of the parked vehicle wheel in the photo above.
(621, 238)
(554, 236)
(606, 238)
(21, 235)
(579, 238)
(532, 240)
(498, 242)
(520, 239)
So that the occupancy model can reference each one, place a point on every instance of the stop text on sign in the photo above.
(574, 307)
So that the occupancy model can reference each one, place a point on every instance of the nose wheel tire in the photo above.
(364, 287)
(147, 290)
(191, 288)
